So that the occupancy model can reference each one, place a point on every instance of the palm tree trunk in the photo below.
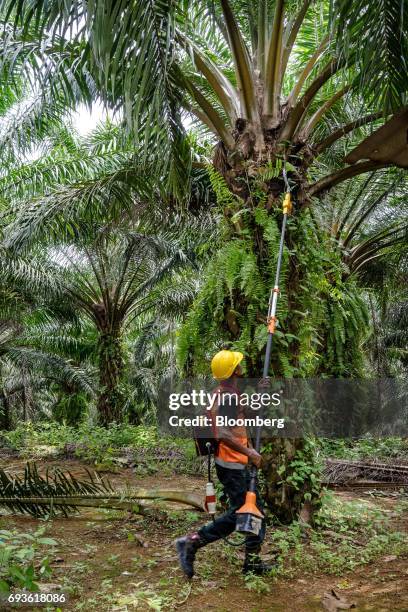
(286, 496)
(5, 421)
(282, 499)
(26, 394)
(111, 370)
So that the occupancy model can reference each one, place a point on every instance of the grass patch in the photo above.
(347, 535)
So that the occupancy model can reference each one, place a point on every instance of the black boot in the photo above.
(186, 550)
(254, 565)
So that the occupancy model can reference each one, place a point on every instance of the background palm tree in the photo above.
(28, 364)
(90, 209)
(112, 280)
(111, 276)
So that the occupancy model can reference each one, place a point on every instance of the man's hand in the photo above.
(254, 457)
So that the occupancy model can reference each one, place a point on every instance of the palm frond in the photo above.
(27, 277)
(16, 493)
(378, 34)
(59, 212)
(50, 366)
(59, 493)
(124, 53)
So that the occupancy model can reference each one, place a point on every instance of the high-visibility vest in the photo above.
(224, 452)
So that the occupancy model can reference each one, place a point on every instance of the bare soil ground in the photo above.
(112, 561)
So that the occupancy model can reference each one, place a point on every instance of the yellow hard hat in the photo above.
(223, 364)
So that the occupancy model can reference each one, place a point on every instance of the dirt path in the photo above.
(112, 562)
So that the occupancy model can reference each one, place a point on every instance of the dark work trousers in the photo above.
(235, 483)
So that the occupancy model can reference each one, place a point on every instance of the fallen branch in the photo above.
(181, 497)
(41, 496)
(114, 502)
(343, 471)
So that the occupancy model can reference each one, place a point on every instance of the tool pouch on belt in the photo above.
(201, 442)
(204, 436)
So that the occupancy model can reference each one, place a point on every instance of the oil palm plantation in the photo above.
(262, 77)
(294, 85)
(275, 83)
(84, 213)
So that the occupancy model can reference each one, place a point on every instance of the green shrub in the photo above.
(26, 436)
(21, 560)
(99, 445)
(365, 448)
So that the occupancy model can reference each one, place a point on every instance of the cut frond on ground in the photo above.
(60, 493)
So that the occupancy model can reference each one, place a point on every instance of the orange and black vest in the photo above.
(224, 455)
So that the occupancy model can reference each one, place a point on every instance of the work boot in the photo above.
(186, 550)
(253, 564)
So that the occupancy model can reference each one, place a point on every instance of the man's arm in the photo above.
(228, 439)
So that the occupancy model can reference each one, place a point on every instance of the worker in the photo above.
(232, 456)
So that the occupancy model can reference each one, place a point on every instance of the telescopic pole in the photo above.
(273, 302)
(249, 516)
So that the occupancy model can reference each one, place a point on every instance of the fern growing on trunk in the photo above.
(322, 321)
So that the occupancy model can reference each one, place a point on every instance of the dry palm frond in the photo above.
(339, 471)
(60, 493)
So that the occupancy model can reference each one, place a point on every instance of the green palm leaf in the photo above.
(378, 33)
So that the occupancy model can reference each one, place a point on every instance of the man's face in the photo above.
(238, 371)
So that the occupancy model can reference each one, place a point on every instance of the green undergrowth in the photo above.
(28, 436)
(144, 447)
(347, 534)
(366, 448)
(23, 559)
